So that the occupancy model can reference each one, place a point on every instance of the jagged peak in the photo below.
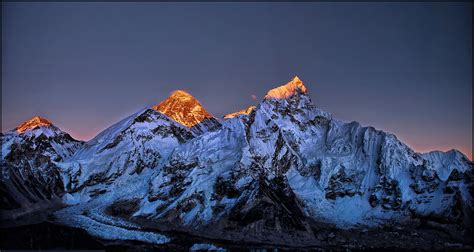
(183, 108)
(287, 90)
(244, 111)
(33, 123)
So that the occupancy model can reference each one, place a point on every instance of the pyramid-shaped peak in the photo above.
(287, 90)
(33, 123)
(183, 108)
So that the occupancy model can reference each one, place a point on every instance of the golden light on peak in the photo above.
(32, 124)
(245, 111)
(183, 108)
(287, 90)
(181, 93)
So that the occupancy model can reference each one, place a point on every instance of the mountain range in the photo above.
(281, 174)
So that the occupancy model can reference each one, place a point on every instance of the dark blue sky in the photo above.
(405, 68)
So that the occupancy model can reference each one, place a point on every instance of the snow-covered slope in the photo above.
(115, 168)
(288, 163)
(120, 152)
(29, 174)
(141, 142)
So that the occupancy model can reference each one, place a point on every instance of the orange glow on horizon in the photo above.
(424, 149)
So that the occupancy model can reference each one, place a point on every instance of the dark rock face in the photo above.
(282, 162)
(30, 185)
(424, 180)
(387, 193)
(176, 173)
(341, 185)
(273, 207)
(206, 125)
(455, 176)
(123, 208)
(29, 172)
(179, 133)
(311, 169)
(224, 188)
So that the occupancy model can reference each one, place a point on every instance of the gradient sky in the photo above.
(405, 68)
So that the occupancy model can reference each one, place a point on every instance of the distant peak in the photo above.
(245, 111)
(32, 124)
(183, 108)
(287, 90)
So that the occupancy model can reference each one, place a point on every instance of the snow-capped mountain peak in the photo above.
(287, 90)
(28, 163)
(245, 111)
(35, 127)
(183, 108)
(33, 123)
(41, 136)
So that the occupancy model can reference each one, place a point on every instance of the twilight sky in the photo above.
(405, 68)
